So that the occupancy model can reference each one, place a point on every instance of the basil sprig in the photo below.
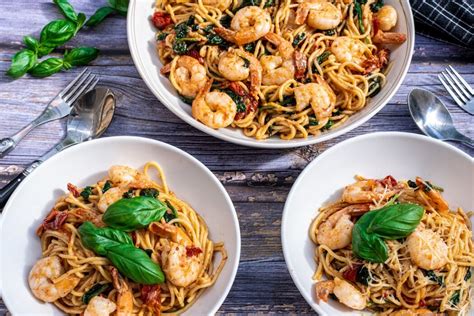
(393, 221)
(134, 213)
(57, 33)
(115, 7)
(118, 247)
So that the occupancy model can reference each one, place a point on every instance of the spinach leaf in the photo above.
(214, 39)
(433, 277)
(95, 290)
(328, 125)
(81, 56)
(358, 14)
(135, 264)
(57, 32)
(363, 275)
(288, 100)
(31, 43)
(225, 21)
(149, 192)
(268, 3)
(134, 213)
(99, 239)
(170, 216)
(375, 85)
(468, 274)
(313, 121)
(22, 61)
(47, 67)
(86, 192)
(250, 47)
(299, 38)
(330, 32)
(180, 47)
(376, 6)
(107, 186)
(66, 9)
(186, 100)
(455, 298)
(412, 184)
(432, 186)
(396, 221)
(239, 101)
(181, 30)
(128, 195)
(322, 58)
(160, 36)
(99, 16)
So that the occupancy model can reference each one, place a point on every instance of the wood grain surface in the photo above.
(257, 180)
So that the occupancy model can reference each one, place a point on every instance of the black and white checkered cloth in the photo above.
(448, 20)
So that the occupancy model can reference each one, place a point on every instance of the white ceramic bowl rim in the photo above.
(358, 119)
(286, 212)
(106, 140)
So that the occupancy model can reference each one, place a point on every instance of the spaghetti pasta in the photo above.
(308, 65)
(428, 271)
(79, 275)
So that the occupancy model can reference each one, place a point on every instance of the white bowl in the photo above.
(86, 163)
(141, 41)
(401, 155)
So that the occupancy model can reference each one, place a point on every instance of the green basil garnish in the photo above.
(99, 239)
(58, 32)
(22, 61)
(367, 246)
(47, 67)
(396, 221)
(86, 192)
(107, 186)
(134, 213)
(99, 16)
(80, 56)
(31, 43)
(66, 9)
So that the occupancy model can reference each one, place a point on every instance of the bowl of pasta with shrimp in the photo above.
(381, 224)
(119, 226)
(272, 73)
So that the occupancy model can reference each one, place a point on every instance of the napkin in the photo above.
(447, 20)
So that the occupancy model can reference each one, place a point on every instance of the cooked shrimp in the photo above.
(222, 5)
(346, 293)
(413, 312)
(99, 306)
(180, 268)
(336, 231)
(190, 76)
(172, 232)
(386, 17)
(248, 25)
(238, 65)
(347, 49)
(318, 14)
(364, 191)
(434, 195)
(126, 176)
(427, 249)
(349, 295)
(111, 196)
(124, 296)
(215, 109)
(278, 69)
(319, 96)
(42, 276)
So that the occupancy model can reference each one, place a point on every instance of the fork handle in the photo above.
(7, 190)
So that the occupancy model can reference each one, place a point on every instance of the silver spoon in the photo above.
(433, 118)
(89, 119)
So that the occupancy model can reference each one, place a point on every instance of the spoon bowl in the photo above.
(433, 118)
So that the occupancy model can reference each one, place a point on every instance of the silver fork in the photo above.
(458, 88)
(58, 108)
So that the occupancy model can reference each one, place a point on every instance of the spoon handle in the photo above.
(7, 190)
(465, 140)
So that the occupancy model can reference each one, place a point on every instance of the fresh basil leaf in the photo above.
(396, 221)
(107, 186)
(81, 56)
(367, 246)
(57, 32)
(22, 61)
(99, 16)
(81, 19)
(86, 192)
(100, 239)
(134, 213)
(31, 43)
(47, 67)
(135, 264)
(66, 9)
(120, 5)
(44, 49)
(94, 291)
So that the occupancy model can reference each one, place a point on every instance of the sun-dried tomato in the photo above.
(53, 221)
(195, 54)
(73, 189)
(161, 20)
(389, 181)
(251, 103)
(193, 251)
(351, 273)
(150, 295)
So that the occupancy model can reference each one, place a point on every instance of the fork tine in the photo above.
(454, 88)
(451, 92)
(90, 84)
(458, 84)
(466, 85)
(77, 87)
(72, 83)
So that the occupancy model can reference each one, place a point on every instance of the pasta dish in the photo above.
(275, 67)
(126, 244)
(395, 248)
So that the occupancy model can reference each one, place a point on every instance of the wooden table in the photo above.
(258, 181)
